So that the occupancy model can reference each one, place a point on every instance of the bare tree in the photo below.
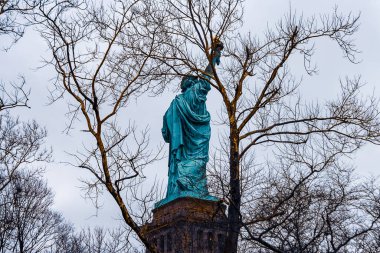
(96, 240)
(66, 241)
(262, 106)
(93, 48)
(13, 95)
(20, 142)
(14, 18)
(21, 145)
(28, 223)
(308, 203)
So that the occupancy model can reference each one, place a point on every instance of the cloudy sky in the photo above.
(26, 56)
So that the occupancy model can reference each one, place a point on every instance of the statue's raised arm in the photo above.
(186, 127)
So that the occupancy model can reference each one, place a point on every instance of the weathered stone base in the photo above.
(188, 225)
(184, 194)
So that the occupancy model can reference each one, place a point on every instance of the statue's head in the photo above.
(187, 82)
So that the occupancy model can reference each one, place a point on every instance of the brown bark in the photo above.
(234, 221)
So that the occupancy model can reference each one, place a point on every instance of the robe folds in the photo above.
(186, 127)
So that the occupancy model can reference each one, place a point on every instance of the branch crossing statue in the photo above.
(186, 127)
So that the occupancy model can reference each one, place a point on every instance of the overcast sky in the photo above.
(25, 57)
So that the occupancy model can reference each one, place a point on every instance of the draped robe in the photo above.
(186, 127)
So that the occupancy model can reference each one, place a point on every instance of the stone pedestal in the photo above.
(188, 225)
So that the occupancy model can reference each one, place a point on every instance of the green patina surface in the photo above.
(186, 127)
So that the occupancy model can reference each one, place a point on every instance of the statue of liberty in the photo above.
(186, 127)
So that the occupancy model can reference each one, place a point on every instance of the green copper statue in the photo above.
(186, 127)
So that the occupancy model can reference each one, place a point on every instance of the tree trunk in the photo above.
(235, 196)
